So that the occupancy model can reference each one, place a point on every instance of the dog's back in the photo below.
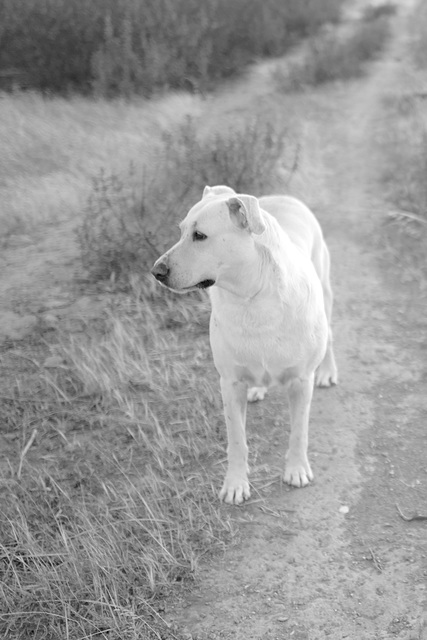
(297, 221)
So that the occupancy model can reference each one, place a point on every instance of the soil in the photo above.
(336, 559)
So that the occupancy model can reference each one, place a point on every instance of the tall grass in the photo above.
(94, 536)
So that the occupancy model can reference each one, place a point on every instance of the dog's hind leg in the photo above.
(327, 373)
(297, 469)
(236, 485)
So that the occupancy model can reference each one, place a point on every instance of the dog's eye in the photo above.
(199, 236)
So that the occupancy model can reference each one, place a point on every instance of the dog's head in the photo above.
(216, 238)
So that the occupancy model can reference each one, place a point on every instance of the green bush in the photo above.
(115, 47)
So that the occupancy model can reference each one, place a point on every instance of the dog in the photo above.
(266, 266)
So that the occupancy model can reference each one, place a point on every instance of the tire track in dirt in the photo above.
(300, 568)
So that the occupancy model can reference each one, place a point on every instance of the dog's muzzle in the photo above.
(205, 284)
(161, 272)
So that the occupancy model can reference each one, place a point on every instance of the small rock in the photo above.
(344, 509)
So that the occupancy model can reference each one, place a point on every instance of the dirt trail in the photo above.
(304, 567)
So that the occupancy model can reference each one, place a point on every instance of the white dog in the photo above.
(268, 268)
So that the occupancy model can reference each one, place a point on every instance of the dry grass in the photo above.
(403, 177)
(404, 131)
(403, 143)
(51, 149)
(112, 502)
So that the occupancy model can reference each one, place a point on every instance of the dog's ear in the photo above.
(246, 214)
(216, 191)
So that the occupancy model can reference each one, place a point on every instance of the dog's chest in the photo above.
(258, 345)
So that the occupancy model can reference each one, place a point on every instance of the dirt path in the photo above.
(336, 560)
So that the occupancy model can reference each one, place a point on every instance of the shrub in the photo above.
(373, 12)
(418, 30)
(118, 46)
(127, 225)
(331, 57)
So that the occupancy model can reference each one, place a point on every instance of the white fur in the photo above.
(271, 312)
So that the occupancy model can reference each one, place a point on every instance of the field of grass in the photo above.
(52, 149)
(110, 499)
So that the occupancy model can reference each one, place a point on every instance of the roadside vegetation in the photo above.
(404, 144)
(53, 147)
(111, 501)
(121, 48)
(337, 55)
(55, 141)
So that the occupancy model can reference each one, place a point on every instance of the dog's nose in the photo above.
(160, 271)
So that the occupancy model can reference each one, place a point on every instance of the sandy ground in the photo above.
(335, 560)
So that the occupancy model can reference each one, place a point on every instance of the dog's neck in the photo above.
(266, 272)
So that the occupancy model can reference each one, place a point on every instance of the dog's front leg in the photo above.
(236, 486)
(297, 470)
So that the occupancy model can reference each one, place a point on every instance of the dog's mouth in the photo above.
(205, 284)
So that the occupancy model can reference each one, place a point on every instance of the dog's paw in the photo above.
(235, 489)
(256, 393)
(326, 376)
(297, 472)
